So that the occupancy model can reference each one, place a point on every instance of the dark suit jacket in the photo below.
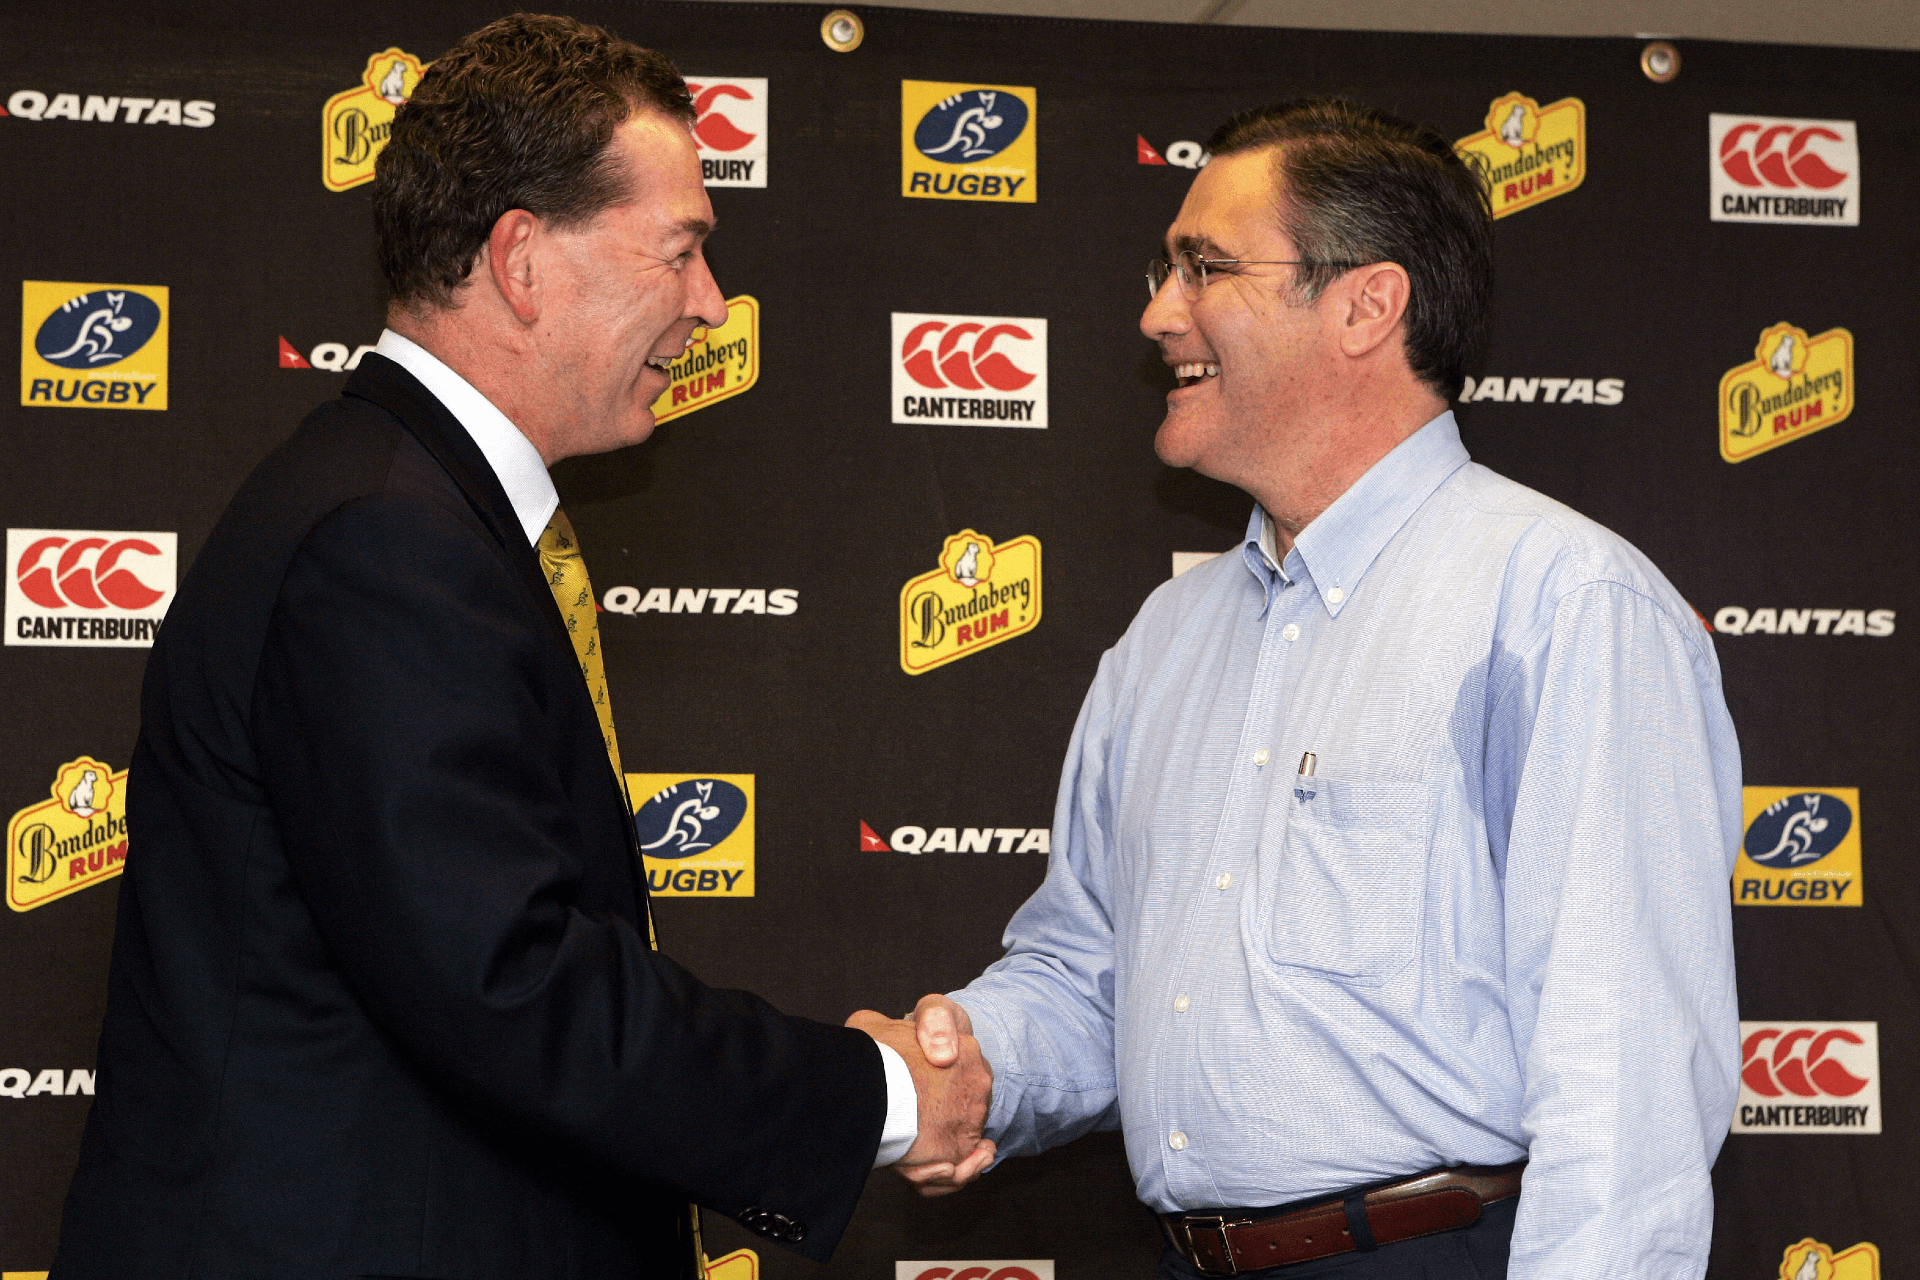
(381, 1001)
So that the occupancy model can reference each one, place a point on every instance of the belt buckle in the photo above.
(1213, 1222)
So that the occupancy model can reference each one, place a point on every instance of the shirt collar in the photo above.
(515, 462)
(1337, 547)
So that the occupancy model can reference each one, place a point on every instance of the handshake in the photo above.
(955, 1086)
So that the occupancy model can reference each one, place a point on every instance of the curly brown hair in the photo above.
(518, 115)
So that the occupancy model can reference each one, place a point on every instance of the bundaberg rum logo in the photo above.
(720, 363)
(1528, 152)
(1811, 1260)
(358, 121)
(741, 1264)
(982, 593)
(1794, 386)
(71, 842)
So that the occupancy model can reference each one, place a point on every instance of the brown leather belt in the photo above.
(1229, 1243)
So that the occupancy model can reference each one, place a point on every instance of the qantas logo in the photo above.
(20, 1082)
(1182, 155)
(1735, 621)
(31, 104)
(1546, 390)
(335, 357)
(780, 602)
(912, 839)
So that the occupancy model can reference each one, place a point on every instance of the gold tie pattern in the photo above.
(566, 572)
(567, 577)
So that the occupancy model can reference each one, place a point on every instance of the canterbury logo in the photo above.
(712, 128)
(1796, 1062)
(1777, 156)
(77, 577)
(955, 363)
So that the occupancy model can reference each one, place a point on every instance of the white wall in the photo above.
(1887, 24)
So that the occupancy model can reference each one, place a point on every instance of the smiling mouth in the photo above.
(665, 363)
(1195, 371)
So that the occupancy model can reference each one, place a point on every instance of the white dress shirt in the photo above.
(517, 466)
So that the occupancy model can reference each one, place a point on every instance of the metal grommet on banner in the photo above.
(1660, 61)
(842, 30)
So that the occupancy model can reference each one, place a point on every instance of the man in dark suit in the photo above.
(382, 1000)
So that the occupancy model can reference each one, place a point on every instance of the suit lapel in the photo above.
(384, 383)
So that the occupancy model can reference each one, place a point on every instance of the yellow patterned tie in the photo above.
(573, 592)
(566, 573)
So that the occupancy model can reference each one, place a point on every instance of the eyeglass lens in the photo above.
(1188, 265)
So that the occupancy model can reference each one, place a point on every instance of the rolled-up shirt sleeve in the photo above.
(1618, 764)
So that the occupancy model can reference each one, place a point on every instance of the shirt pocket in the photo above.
(1344, 892)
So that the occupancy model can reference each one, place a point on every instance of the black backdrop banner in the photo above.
(858, 581)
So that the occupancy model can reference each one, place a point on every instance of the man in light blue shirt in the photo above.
(1397, 839)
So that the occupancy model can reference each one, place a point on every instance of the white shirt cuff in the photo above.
(903, 1109)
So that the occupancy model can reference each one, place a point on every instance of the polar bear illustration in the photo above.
(80, 799)
(966, 570)
(394, 86)
(1513, 128)
(1781, 362)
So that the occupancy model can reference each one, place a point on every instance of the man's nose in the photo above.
(704, 299)
(1168, 312)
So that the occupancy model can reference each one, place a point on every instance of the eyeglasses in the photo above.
(1191, 268)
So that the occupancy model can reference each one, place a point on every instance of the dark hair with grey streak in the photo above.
(516, 116)
(1356, 185)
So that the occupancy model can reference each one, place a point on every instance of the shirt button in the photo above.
(1180, 1004)
(1290, 632)
(1260, 757)
(1226, 878)
(1335, 596)
(1177, 1140)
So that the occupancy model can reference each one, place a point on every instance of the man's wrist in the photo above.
(903, 1109)
(986, 1029)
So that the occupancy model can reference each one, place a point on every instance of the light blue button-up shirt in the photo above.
(1493, 924)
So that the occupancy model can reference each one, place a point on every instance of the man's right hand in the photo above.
(954, 1096)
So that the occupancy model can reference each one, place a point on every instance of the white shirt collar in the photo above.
(515, 462)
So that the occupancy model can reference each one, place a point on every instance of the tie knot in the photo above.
(557, 539)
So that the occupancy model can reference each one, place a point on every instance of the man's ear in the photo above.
(509, 263)
(1376, 300)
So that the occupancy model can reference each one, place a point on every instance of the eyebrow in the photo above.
(1202, 245)
(698, 228)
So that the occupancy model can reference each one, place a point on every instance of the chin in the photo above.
(638, 431)
(1176, 444)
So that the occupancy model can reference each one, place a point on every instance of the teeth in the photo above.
(660, 362)
(1196, 370)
